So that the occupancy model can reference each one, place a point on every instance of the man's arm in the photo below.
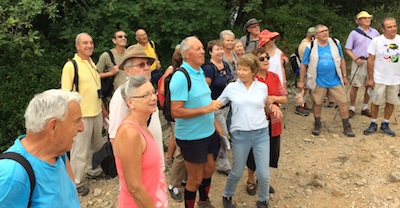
(370, 67)
(102, 65)
(303, 70)
(344, 71)
(178, 111)
(356, 59)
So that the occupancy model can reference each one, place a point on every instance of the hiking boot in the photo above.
(224, 172)
(347, 130)
(263, 204)
(205, 204)
(82, 191)
(351, 113)
(101, 176)
(227, 202)
(385, 128)
(317, 129)
(366, 113)
(371, 129)
(331, 105)
(175, 194)
(306, 108)
(301, 111)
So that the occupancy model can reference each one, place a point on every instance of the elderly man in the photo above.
(193, 111)
(91, 139)
(326, 76)
(252, 30)
(150, 49)
(356, 47)
(384, 74)
(52, 120)
(136, 62)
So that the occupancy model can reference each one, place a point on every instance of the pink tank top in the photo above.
(153, 178)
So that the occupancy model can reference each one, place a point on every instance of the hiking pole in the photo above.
(347, 90)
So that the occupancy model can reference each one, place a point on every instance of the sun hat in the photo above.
(135, 51)
(250, 22)
(311, 31)
(363, 14)
(266, 36)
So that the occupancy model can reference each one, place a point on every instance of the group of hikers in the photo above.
(232, 102)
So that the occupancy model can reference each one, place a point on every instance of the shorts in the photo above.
(385, 94)
(335, 94)
(361, 77)
(196, 151)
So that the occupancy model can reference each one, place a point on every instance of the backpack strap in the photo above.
(111, 56)
(152, 44)
(26, 165)
(187, 76)
(76, 77)
(362, 32)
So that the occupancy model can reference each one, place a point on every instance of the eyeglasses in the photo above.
(254, 26)
(263, 58)
(147, 95)
(322, 31)
(121, 36)
(142, 65)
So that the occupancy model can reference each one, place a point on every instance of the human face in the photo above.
(144, 99)
(120, 39)
(141, 36)
(85, 46)
(390, 29)
(364, 21)
(245, 74)
(217, 52)
(254, 29)
(239, 50)
(322, 33)
(195, 53)
(228, 42)
(139, 66)
(67, 129)
(264, 65)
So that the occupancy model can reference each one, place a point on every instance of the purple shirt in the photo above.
(358, 43)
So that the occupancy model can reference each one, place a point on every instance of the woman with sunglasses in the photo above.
(137, 155)
(276, 96)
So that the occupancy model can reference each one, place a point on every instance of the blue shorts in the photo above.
(196, 151)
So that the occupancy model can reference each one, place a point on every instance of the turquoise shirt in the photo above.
(54, 187)
(199, 127)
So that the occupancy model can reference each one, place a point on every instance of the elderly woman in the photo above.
(238, 47)
(230, 57)
(276, 62)
(218, 75)
(249, 128)
(137, 155)
(277, 96)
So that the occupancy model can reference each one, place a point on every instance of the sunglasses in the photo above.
(142, 65)
(121, 36)
(263, 58)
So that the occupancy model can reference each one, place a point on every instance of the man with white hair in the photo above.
(52, 119)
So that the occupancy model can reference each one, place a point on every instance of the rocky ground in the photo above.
(330, 170)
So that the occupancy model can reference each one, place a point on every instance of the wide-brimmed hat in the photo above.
(135, 51)
(266, 36)
(363, 14)
(250, 22)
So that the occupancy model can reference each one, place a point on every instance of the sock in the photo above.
(385, 121)
(364, 106)
(373, 121)
(353, 108)
(204, 188)
(345, 121)
(190, 197)
(317, 120)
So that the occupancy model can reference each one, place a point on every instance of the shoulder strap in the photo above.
(152, 44)
(76, 77)
(111, 57)
(362, 32)
(187, 76)
(27, 166)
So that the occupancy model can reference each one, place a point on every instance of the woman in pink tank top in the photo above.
(137, 157)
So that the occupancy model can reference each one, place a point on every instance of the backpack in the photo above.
(26, 165)
(107, 83)
(167, 93)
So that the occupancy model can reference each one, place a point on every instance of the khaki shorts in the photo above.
(385, 94)
(335, 94)
(361, 77)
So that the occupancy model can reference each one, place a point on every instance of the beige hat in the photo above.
(363, 14)
(135, 51)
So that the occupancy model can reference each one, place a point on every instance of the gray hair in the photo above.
(78, 37)
(184, 46)
(319, 26)
(127, 63)
(129, 87)
(386, 19)
(224, 33)
(47, 105)
(236, 41)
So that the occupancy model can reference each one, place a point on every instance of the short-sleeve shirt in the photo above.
(219, 80)
(199, 95)
(359, 43)
(105, 65)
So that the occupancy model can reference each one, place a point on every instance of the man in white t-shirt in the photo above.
(384, 74)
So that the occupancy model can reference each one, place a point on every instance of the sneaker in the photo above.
(271, 190)
(317, 129)
(82, 191)
(371, 129)
(366, 113)
(101, 176)
(385, 128)
(263, 204)
(331, 105)
(227, 202)
(351, 113)
(347, 130)
(224, 172)
(301, 111)
(306, 108)
(205, 204)
(175, 194)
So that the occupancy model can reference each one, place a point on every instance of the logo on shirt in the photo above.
(391, 53)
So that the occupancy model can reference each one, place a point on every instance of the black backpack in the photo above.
(107, 83)
(167, 93)
(295, 63)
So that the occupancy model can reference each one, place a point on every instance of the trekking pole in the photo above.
(347, 90)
